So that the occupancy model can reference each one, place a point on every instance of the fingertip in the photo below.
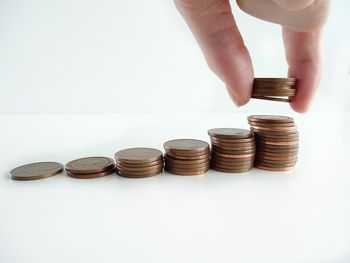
(238, 97)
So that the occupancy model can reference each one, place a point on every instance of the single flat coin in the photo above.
(187, 173)
(229, 133)
(141, 165)
(90, 165)
(270, 118)
(138, 155)
(274, 169)
(139, 169)
(139, 174)
(234, 156)
(35, 171)
(183, 157)
(232, 140)
(229, 170)
(91, 175)
(272, 98)
(185, 162)
(186, 147)
(293, 80)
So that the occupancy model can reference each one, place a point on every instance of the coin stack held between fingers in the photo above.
(233, 150)
(139, 162)
(277, 142)
(187, 157)
(276, 89)
(90, 167)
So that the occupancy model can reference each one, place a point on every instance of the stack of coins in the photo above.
(187, 157)
(277, 142)
(35, 171)
(233, 150)
(139, 162)
(276, 89)
(90, 167)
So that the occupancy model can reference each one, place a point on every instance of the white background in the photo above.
(139, 56)
(82, 78)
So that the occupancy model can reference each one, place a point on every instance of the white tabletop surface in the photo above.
(259, 216)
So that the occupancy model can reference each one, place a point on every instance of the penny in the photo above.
(274, 169)
(139, 169)
(138, 155)
(229, 133)
(188, 172)
(91, 175)
(270, 118)
(232, 140)
(139, 174)
(141, 165)
(90, 165)
(186, 147)
(229, 170)
(35, 171)
(195, 157)
(284, 80)
(239, 152)
(187, 167)
(176, 161)
(232, 155)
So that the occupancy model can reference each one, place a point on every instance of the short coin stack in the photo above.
(277, 142)
(276, 89)
(90, 167)
(139, 162)
(186, 156)
(232, 150)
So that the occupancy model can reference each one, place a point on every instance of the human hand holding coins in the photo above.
(215, 30)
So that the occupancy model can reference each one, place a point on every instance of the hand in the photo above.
(214, 27)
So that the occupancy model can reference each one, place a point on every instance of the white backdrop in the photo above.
(139, 56)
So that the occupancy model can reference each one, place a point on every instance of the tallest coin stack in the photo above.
(277, 142)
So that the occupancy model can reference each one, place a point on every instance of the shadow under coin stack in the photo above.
(139, 162)
(186, 157)
(232, 150)
(90, 167)
(276, 89)
(277, 142)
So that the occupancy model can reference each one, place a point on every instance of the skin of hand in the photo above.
(215, 29)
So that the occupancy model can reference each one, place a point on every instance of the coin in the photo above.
(231, 170)
(90, 165)
(275, 169)
(139, 169)
(229, 133)
(274, 89)
(271, 118)
(35, 171)
(186, 147)
(91, 175)
(139, 174)
(138, 155)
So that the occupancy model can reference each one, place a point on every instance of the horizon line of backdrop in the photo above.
(136, 56)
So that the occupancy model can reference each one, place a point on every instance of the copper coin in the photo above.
(291, 80)
(287, 129)
(274, 92)
(90, 165)
(271, 124)
(229, 170)
(188, 173)
(272, 98)
(138, 155)
(230, 133)
(232, 144)
(232, 164)
(195, 157)
(35, 171)
(141, 165)
(236, 148)
(91, 175)
(139, 174)
(277, 165)
(238, 152)
(186, 147)
(140, 169)
(233, 140)
(274, 169)
(232, 155)
(280, 143)
(278, 154)
(187, 167)
(270, 118)
(176, 161)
